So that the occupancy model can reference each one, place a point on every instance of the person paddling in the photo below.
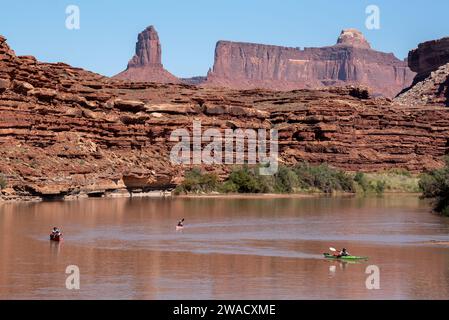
(343, 253)
(56, 231)
(56, 234)
(180, 223)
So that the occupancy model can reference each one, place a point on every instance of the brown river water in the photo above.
(230, 248)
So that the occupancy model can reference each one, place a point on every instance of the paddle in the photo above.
(334, 250)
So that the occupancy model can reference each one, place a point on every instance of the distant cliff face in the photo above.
(431, 84)
(428, 57)
(146, 65)
(350, 61)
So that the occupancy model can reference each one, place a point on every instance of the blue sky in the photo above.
(189, 30)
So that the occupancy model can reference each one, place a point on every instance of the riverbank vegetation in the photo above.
(3, 181)
(435, 185)
(301, 178)
(391, 181)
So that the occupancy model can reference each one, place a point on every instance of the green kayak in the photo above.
(330, 256)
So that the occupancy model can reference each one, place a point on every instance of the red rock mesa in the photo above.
(350, 61)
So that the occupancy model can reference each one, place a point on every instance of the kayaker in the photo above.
(344, 253)
(181, 223)
(56, 231)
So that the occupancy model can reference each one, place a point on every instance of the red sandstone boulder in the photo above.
(4, 84)
(170, 108)
(43, 93)
(129, 105)
(22, 87)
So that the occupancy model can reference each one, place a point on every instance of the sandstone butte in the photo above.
(65, 131)
(146, 65)
(250, 66)
(350, 62)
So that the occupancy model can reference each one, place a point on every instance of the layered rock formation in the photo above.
(65, 131)
(146, 65)
(353, 38)
(431, 90)
(431, 85)
(428, 57)
(350, 61)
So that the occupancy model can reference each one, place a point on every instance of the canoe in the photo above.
(178, 228)
(330, 256)
(56, 238)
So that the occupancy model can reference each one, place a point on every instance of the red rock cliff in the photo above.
(146, 65)
(428, 57)
(350, 61)
(431, 84)
(65, 131)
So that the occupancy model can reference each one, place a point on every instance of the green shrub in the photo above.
(432, 183)
(392, 181)
(3, 181)
(362, 181)
(323, 178)
(309, 178)
(435, 185)
(379, 186)
(285, 180)
(246, 180)
(195, 181)
(228, 187)
(400, 172)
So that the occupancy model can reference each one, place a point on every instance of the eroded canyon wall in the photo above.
(431, 85)
(350, 61)
(66, 131)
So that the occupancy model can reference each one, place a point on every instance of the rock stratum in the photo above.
(66, 132)
(431, 85)
(146, 64)
(350, 62)
(428, 57)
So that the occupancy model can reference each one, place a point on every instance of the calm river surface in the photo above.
(231, 248)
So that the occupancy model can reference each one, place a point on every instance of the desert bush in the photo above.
(435, 185)
(247, 180)
(285, 180)
(306, 177)
(323, 178)
(196, 181)
(361, 179)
